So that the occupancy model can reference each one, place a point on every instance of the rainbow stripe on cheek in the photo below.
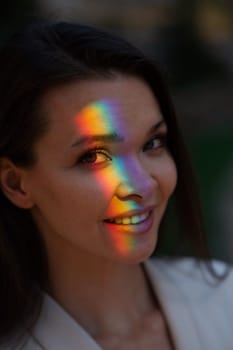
(98, 118)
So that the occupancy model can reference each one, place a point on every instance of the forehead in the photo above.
(122, 102)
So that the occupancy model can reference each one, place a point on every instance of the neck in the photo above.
(100, 294)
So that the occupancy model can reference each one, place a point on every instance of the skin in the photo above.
(69, 200)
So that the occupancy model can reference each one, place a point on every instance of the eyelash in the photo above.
(162, 142)
(94, 151)
(103, 152)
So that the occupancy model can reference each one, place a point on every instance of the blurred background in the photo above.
(193, 41)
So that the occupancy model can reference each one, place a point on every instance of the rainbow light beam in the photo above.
(98, 118)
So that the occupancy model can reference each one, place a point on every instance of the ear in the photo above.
(13, 184)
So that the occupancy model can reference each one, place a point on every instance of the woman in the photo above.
(90, 154)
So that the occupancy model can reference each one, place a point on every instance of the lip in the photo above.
(133, 229)
(131, 213)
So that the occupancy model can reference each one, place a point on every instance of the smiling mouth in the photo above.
(129, 220)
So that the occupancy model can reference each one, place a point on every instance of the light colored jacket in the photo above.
(198, 311)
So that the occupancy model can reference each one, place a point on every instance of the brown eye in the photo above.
(90, 157)
(95, 157)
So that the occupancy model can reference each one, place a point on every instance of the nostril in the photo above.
(126, 189)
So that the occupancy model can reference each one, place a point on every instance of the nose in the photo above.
(136, 183)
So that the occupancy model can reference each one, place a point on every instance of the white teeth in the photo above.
(126, 221)
(132, 220)
(138, 218)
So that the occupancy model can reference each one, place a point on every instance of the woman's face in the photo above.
(103, 175)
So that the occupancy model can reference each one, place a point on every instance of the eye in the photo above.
(157, 142)
(95, 157)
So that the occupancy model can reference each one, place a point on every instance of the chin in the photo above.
(136, 256)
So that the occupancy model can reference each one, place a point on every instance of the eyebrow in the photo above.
(155, 127)
(113, 137)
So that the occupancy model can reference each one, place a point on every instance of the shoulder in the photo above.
(30, 343)
(198, 305)
(192, 277)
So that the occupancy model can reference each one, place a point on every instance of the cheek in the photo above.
(67, 206)
(69, 193)
(173, 177)
(167, 177)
